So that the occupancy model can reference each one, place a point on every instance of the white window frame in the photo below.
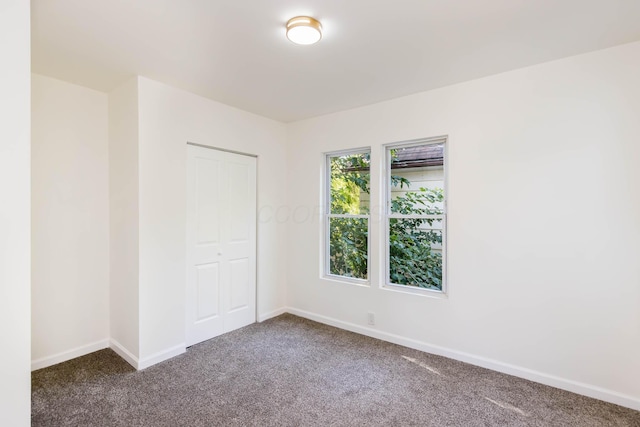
(387, 215)
(326, 273)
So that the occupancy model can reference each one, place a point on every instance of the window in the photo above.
(415, 215)
(347, 215)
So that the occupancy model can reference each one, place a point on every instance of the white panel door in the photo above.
(221, 242)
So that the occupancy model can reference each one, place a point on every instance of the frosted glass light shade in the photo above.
(304, 30)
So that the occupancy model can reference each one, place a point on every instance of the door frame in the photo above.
(257, 280)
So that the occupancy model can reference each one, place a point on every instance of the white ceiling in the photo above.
(235, 51)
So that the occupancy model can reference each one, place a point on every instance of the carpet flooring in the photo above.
(290, 371)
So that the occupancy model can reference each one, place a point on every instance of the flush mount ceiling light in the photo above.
(304, 30)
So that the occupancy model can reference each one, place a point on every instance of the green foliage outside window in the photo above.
(412, 258)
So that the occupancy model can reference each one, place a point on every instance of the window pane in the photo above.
(348, 247)
(417, 179)
(415, 252)
(350, 184)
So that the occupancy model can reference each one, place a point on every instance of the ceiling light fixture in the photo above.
(304, 30)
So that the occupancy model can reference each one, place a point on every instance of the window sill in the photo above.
(404, 289)
(346, 280)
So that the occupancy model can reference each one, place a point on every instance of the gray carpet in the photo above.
(290, 371)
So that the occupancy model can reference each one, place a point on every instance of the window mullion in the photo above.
(347, 216)
(414, 216)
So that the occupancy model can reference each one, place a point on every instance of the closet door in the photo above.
(221, 242)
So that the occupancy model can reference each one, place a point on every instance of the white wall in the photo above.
(69, 221)
(15, 305)
(123, 220)
(544, 236)
(169, 118)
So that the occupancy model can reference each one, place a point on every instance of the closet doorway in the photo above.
(221, 242)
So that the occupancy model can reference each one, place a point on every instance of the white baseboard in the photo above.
(124, 353)
(146, 362)
(495, 365)
(54, 359)
(161, 356)
(269, 315)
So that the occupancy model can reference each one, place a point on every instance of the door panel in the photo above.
(239, 280)
(221, 242)
(239, 174)
(208, 193)
(240, 248)
(208, 283)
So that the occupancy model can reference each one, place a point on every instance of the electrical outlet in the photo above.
(371, 319)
